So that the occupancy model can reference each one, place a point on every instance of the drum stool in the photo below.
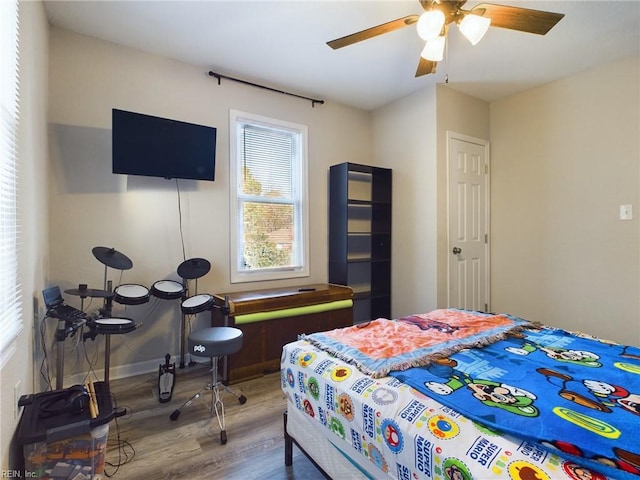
(214, 342)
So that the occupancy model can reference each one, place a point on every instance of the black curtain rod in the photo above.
(220, 76)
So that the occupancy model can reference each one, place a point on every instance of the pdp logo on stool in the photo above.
(199, 348)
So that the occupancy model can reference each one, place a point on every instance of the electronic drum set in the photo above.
(134, 294)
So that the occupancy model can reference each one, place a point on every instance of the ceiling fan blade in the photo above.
(425, 67)
(516, 18)
(373, 32)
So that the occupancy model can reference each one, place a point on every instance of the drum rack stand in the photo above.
(60, 336)
(107, 336)
(225, 310)
(63, 330)
(183, 326)
(183, 329)
(190, 269)
(109, 257)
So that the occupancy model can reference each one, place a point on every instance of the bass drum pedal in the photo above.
(166, 379)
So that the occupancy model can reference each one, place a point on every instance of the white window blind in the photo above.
(268, 204)
(10, 301)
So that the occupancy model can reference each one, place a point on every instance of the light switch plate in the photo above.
(626, 212)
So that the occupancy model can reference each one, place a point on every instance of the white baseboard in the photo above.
(130, 370)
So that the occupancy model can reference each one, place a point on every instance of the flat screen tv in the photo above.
(160, 147)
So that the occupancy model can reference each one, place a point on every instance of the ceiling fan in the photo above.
(433, 24)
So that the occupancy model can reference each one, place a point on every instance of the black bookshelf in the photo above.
(360, 236)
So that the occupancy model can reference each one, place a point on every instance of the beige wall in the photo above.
(564, 157)
(22, 368)
(463, 114)
(92, 207)
(410, 137)
(404, 136)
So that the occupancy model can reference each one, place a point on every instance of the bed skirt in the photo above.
(315, 443)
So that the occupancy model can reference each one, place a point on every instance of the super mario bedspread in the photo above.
(550, 387)
(406, 434)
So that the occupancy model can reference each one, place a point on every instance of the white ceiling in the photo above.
(281, 44)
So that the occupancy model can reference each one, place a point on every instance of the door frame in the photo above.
(451, 135)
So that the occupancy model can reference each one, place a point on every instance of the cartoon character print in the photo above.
(455, 469)
(430, 324)
(626, 354)
(453, 472)
(623, 460)
(594, 394)
(522, 470)
(490, 393)
(291, 380)
(377, 459)
(335, 425)
(308, 408)
(627, 351)
(340, 373)
(443, 427)
(384, 396)
(503, 396)
(306, 359)
(628, 461)
(313, 388)
(346, 406)
(392, 435)
(578, 357)
(577, 472)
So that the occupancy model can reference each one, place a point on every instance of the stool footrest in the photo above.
(216, 405)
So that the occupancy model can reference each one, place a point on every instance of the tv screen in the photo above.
(160, 147)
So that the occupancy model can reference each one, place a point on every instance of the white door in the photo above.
(468, 219)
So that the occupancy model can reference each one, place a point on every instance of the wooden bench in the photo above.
(271, 318)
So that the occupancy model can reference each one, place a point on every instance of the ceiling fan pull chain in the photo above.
(446, 55)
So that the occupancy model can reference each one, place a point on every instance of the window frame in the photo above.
(301, 204)
(11, 322)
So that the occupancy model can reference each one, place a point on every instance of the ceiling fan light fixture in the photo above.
(434, 49)
(430, 24)
(473, 27)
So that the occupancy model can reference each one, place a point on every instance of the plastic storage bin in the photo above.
(59, 438)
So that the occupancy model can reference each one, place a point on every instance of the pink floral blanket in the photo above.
(381, 346)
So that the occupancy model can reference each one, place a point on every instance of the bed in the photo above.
(460, 395)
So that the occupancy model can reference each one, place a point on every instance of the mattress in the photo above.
(327, 452)
(387, 429)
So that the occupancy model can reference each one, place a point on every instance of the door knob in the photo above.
(457, 250)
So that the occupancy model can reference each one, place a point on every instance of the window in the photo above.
(10, 303)
(268, 178)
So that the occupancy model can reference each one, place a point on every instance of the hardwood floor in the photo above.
(189, 447)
